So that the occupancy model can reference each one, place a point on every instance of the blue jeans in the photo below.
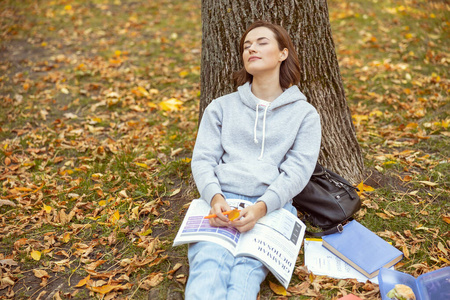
(216, 274)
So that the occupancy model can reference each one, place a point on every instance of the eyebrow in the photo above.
(258, 39)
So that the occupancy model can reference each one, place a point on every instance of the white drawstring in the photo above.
(256, 123)
(264, 132)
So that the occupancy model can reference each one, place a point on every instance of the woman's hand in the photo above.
(249, 216)
(219, 205)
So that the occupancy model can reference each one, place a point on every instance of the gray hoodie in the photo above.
(250, 149)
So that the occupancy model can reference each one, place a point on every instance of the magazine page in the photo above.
(195, 228)
(275, 240)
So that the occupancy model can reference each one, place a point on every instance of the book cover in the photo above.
(362, 249)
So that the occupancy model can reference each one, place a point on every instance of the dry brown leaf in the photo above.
(299, 289)
(442, 248)
(40, 273)
(95, 264)
(384, 216)
(405, 251)
(8, 262)
(6, 202)
(152, 280)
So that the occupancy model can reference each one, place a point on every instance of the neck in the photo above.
(267, 89)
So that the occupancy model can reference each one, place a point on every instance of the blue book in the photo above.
(362, 249)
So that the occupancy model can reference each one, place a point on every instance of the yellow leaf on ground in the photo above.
(36, 255)
(384, 216)
(142, 165)
(47, 208)
(115, 217)
(277, 289)
(183, 73)
(147, 232)
(172, 104)
(83, 281)
(364, 188)
(66, 237)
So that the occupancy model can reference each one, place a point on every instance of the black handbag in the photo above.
(327, 201)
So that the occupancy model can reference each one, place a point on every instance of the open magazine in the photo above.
(275, 240)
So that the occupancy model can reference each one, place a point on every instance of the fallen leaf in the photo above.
(36, 255)
(115, 217)
(83, 281)
(429, 183)
(446, 219)
(7, 202)
(8, 262)
(172, 104)
(47, 208)
(277, 289)
(40, 273)
(442, 248)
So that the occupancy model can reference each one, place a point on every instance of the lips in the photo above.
(252, 58)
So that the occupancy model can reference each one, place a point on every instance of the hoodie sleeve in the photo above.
(208, 152)
(298, 166)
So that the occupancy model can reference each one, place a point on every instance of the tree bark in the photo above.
(307, 21)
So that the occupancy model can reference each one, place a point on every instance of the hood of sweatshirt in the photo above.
(289, 96)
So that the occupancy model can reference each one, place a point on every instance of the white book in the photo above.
(275, 240)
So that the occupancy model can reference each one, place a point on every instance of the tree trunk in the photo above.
(307, 21)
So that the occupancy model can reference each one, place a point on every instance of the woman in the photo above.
(261, 144)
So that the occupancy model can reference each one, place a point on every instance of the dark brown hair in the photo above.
(290, 67)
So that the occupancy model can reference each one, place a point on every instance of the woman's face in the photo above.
(261, 52)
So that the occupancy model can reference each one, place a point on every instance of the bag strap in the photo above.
(337, 228)
(337, 181)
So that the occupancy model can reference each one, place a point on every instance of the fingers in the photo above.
(246, 221)
(221, 220)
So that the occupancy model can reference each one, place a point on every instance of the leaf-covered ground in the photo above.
(98, 115)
